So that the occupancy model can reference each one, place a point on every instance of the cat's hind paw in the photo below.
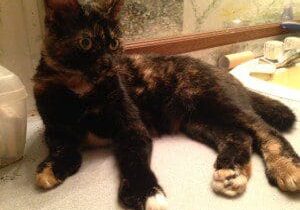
(287, 175)
(229, 182)
(157, 202)
(46, 178)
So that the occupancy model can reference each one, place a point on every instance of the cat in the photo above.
(88, 92)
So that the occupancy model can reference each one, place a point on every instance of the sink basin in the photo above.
(286, 77)
(283, 85)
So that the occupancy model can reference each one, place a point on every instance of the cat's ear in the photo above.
(61, 8)
(115, 8)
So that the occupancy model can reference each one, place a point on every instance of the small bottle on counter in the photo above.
(287, 14)
(13, 117)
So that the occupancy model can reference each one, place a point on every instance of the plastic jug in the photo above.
(13, 117)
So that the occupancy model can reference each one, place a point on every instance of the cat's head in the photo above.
(78, 32)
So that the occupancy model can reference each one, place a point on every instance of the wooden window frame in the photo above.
(199, 41)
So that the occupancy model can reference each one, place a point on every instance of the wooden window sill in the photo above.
(194, 42)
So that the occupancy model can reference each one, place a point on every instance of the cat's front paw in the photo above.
(229, 182)
(142, 197)
(158, 201)
(53, 171)
(46, 179)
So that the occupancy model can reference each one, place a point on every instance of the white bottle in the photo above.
(13, 117)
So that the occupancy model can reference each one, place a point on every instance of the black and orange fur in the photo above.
(85, 86)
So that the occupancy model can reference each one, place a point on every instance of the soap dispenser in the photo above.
(287, 14)
(287, 17)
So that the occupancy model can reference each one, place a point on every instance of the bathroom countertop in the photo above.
(184, 168)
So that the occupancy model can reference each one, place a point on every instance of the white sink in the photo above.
(281, 92)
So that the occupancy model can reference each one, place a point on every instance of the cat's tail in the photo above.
(273, 112)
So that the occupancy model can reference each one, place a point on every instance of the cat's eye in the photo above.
(114, 45)
(85, 43)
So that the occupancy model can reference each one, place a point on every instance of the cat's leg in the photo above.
(282, 162)
(233, 166)
(132, 145)
(64, 158)
(139, 187)
(234, 147)
(273, 112)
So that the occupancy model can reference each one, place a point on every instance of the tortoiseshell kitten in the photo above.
(88, 92)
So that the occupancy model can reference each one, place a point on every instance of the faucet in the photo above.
(288, 58)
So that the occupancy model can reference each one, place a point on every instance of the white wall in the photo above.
(20, 39)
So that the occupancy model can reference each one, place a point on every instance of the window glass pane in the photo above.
(144, 19)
